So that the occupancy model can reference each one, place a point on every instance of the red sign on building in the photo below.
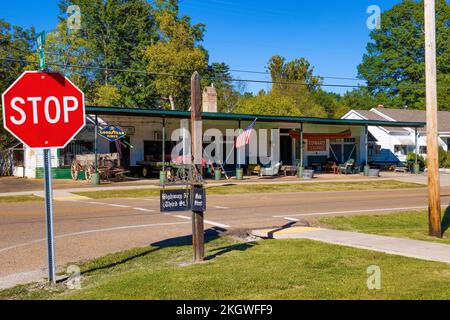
(43, 110)
(317, 145)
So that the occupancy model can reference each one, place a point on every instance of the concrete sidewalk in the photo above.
(403, 247)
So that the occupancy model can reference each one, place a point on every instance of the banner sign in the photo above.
(198, 199)
(317, 145)
(174, 200)
(112, 133)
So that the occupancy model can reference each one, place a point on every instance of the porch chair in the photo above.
(271, 170)
(253, 169)
(347, 167)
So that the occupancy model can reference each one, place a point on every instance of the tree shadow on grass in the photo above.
(446, 220)
(235, 247)
(210, 235)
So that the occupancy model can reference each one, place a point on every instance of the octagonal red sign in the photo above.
(43, 109)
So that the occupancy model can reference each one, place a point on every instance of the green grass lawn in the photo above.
(411, 224)
(270, 269)
(21, 198)
(264, 188)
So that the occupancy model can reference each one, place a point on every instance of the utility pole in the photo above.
(434, 201)
(196, 183)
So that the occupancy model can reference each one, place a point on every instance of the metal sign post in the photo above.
(48, 184)
(49, 215)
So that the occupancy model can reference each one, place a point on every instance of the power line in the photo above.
(67, 66)
(268, 73)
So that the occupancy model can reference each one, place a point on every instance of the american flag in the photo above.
(244, 138)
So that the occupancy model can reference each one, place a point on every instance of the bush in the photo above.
(420, 159)
(444, 158)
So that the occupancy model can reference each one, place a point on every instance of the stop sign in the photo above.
(43, 109)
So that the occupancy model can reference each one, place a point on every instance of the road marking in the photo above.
(291, 219)
(143, 209)
(94, 231)
(219, 207)
(117, 205)
(213, 223)
(344, 212)
(99, 203)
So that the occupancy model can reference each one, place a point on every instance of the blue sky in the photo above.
(331, 34)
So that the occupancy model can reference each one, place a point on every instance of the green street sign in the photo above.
(41, 60)
(41, 40)
(40, 44)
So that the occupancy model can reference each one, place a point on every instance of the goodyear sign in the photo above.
(112, 133)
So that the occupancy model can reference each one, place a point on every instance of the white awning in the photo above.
(406, 142)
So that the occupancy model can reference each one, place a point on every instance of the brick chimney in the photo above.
(210, 99)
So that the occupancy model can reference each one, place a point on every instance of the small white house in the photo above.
(392, 144)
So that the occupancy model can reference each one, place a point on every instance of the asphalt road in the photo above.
(90, 228)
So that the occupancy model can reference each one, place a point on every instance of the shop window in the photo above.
(18, 157)
(74, 148)
(401, 149)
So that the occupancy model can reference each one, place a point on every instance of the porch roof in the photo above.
(118, 111)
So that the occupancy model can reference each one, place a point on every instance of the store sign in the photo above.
(112, 133)
(317, 145)
(174, 200)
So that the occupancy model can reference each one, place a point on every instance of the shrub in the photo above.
(420, 159)
(444, 158)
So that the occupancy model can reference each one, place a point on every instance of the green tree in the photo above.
(268, 104)
(16, 47)
(107, 95)
(116, 33)
(66, 48)
(394, 64)
(176, 55)
(295, 79)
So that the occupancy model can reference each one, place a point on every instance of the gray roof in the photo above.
(417, 115)
(370, 115)
(407, 115)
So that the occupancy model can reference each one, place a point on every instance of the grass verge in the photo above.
(21, 198)
(264, 188)
(410, 224)
(270, 269)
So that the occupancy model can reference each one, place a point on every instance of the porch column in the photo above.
(95, 178)
(96, 144)
(300, 169)
(239, 172)
(416, 152)
(366, 167)
(238, 153)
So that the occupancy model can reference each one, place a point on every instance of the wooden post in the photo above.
(163, 139)
(434, 201)
(197, 139)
